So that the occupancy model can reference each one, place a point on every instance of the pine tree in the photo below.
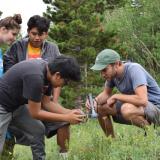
(78, 30)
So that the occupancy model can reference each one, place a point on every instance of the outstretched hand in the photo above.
(75, 116)
(88, 106)
(111, 100)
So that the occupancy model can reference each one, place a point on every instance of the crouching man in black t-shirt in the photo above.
(31, 82)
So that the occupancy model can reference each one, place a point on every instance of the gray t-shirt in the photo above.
(24, 81)
(135, 75)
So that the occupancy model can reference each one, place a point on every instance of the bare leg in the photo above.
(134, 114)
(139, 121)
(105, 110)
(63, 135)
(106, 125)
(104, 119)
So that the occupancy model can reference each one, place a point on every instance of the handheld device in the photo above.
(93, 113)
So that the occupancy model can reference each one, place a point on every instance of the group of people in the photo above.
(20, 120)
(34, 70)
(35, 46)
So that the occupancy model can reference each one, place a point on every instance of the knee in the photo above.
(126, 111)
(105, 110)
(39, 129)
(65, 128)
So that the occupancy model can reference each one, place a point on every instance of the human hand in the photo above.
(111, 100)
(76, 116)
(88, 105)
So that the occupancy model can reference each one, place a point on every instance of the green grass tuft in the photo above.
(89, 143)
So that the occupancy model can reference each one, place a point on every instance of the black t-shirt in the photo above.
(24, 81)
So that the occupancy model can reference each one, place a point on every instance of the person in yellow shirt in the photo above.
(33, 52)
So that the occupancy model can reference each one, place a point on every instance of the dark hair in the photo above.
(67, 66)
(11, 22)
(41, 23)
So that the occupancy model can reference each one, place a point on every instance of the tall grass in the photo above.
(89, 143)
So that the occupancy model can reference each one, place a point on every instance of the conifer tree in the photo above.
(78, 30)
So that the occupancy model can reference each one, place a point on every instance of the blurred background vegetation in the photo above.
(83, 28)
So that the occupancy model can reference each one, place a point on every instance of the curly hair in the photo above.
(11, 22)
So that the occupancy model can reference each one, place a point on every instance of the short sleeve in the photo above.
(138, 76)
(33, 87)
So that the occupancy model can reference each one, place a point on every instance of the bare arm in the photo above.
(56, 94)
(105, 119)
(53, 107)
(100, 99)
(37, 113)
(103, 96)
(108, 127)
(138, 99)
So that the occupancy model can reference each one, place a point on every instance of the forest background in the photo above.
(83, 28)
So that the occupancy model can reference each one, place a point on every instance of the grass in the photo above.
(89, 143)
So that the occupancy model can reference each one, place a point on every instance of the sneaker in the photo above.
(64, 155)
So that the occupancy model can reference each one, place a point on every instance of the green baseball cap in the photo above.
(105, 57)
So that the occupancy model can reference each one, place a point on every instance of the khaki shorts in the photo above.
(151, 111)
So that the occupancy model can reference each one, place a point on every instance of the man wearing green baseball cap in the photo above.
(137, 101)
(105, 58)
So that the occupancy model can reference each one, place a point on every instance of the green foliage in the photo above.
(89, 143)
(137, 30)
(74, 30)
(3, 47)
(83, 28)
(78, 31)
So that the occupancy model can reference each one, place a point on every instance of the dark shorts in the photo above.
(52, 127)
(119, 118)
(21, 118)
(151, 111)
(50, 130)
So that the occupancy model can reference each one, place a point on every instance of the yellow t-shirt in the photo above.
(33, 52)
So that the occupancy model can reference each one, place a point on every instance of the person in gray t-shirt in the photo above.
(138, 99)
(30, 82)
(35, 46)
